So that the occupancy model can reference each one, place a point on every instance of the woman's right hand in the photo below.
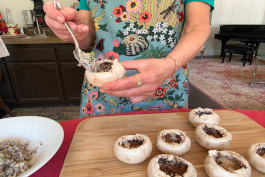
(55, 20)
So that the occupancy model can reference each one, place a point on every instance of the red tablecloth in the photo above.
(54, 166)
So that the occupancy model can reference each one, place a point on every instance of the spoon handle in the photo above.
(59, 7)
(71, 32)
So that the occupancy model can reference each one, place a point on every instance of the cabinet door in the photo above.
(36, 82)
(72, 79)
(5, 88)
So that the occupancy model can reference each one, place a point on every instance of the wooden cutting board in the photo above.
(91, 151)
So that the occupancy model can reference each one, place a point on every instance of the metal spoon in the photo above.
(87, 60)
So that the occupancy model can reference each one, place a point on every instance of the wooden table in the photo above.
(91, 151)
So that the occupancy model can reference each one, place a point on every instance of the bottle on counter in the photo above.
(12, 28)
(9, 21)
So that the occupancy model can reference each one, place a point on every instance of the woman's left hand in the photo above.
(152, 73)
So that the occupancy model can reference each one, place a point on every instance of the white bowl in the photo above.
(41, 132)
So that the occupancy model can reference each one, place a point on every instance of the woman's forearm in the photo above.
(190, 43)
(195, 32)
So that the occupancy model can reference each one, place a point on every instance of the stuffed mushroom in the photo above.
(105, 71)
(133, 149)
(213, 137)
(168, 165)
(256, 156)
(226, 164)
(173, 141)
(203, 116)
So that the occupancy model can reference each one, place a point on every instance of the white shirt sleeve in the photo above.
(3, 50)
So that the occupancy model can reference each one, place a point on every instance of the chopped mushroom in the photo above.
(14, 158)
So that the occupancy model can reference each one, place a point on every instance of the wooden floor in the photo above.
(196, 99)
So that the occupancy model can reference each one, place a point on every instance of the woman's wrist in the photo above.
(171, 58)
(85, 41)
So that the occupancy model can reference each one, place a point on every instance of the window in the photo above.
(242, 12)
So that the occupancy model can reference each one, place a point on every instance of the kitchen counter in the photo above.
(33, 40)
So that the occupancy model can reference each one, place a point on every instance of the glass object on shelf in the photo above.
(9, 21)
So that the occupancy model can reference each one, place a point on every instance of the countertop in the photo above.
(32, 40)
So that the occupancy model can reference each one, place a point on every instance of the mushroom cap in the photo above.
(255, 159)
(211, 142)
(134, 155)
(197, 119)
(154, 167)
(213, 169)
(173, 147)
(116, 72)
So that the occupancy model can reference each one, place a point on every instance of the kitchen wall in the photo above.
(213, 45)
(17, 6)
(263, 18)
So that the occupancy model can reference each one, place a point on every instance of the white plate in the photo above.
(44, 133)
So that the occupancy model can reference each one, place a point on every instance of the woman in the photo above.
(144, 35)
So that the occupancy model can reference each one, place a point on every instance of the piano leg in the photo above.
(230, 56)
(245, 59)
(222, 55)
(257, 48)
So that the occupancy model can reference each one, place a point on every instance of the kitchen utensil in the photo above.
(87, 60)
(91, 152)
(28, 17)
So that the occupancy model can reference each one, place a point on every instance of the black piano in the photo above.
(249, 34)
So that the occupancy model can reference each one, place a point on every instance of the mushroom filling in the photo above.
(14, 158)
(261, 152)
(173, 167)
(229, 163)
(172, 138)
(199, 113)
(212, 132)
(104, 67)
(131, 144)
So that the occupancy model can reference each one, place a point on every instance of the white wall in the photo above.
(17, 6)
(263, 18)
(213, 45)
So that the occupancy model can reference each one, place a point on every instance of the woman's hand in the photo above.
(152, 73)
(80, 22)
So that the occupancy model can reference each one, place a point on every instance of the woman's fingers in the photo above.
(137, 99)
(126, 83)
(78, 29)
(53, 13)
(54, 24)
(143, 90)
(55, 20)
(60, 16)
(131, 65)
(152, 73)
(71, 14)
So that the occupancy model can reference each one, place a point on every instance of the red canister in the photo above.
(3, 28)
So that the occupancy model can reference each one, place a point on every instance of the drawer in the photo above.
(31, 54)
(65, 53)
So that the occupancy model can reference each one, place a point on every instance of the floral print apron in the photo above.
(132, 30)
